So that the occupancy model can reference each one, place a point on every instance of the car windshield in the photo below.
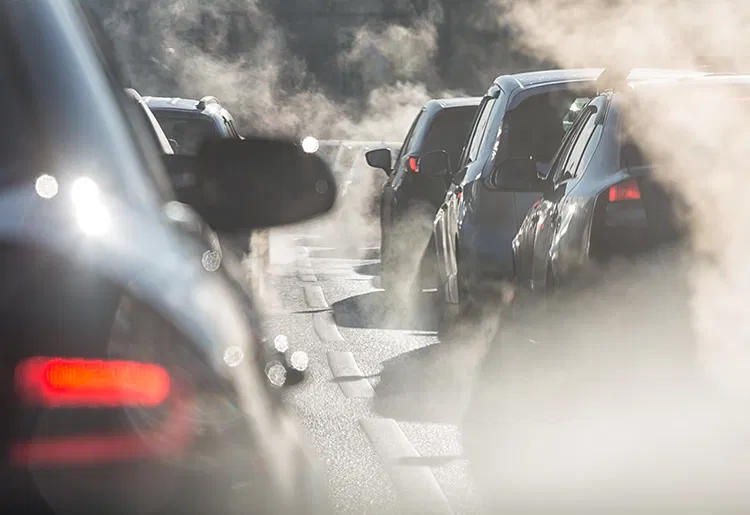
(188, 130)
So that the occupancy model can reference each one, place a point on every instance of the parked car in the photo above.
(409, 199)
(188, 123)
(132, 379)
(600, 360)
(516, 132)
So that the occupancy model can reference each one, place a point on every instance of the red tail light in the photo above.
(56, 382)
(627, 190)
(413, 164)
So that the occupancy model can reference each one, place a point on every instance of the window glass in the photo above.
(578, 147)
(480, 128)
(448, 131)
(189, 131)
(405, 147)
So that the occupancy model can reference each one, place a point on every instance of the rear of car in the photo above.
(410, 200)
(130, 375)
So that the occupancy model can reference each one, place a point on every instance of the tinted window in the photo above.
(577, 150)
(448, 131)
(480, 128)
(189, 131)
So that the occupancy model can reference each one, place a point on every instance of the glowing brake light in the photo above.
(413, 164)
(58, 382)
(627, 190)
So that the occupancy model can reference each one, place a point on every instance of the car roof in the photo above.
(447, 103)
(527, 80)
(183, 105)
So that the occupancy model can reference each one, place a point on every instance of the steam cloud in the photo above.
(617, 383)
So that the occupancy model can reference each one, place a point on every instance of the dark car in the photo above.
(519, 124)
(604, 366)
(180, 178)
(188, 123)
(517, 130)
(133, 380)
(410, 199)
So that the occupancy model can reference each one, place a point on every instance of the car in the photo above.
(517, 130)
(600, 357)
(601, 200)
(410, 199)
(132, 379)
(187, 123)
(180, 179)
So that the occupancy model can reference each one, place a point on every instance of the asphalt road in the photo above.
(383, 396)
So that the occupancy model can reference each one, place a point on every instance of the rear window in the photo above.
(449, 131)
(189, 131)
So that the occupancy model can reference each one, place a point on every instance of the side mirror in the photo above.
(245, 184)
(173, 143)
(434, 164)
(518, 174)
(379, 158)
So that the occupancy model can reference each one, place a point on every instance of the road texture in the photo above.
(383, 395)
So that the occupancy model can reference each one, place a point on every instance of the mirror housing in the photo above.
(519, 174)
(379, 158)
(434, 164)
(244, 184)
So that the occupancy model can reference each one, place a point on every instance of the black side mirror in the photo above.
(434, 164)
(245, 184)
(518, 174)
(379, 158)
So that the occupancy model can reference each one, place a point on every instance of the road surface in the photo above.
(383, 395)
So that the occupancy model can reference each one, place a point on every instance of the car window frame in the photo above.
(582, 123)
(560, 159)
(410, 135)
(475, 137)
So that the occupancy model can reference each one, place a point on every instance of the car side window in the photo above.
(561, 157)
(477, 134)
(577, 147)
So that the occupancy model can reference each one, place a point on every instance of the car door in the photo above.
(447, 216)
(547, 214)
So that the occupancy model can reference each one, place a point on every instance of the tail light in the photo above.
(71, 385)
(412, 163)
(626, 190)
(91, 383)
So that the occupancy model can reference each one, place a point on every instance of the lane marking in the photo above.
(314, 297)
(415, 484)
(353, 383)
(325, 325)
(307, 276)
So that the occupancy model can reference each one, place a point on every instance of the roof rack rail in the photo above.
(612, 79)
(208, 99)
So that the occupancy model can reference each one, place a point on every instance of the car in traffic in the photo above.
(601, 356)
(517, 131)
(187, 123)
(409, 199)
(132, 379)
(179, 178)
